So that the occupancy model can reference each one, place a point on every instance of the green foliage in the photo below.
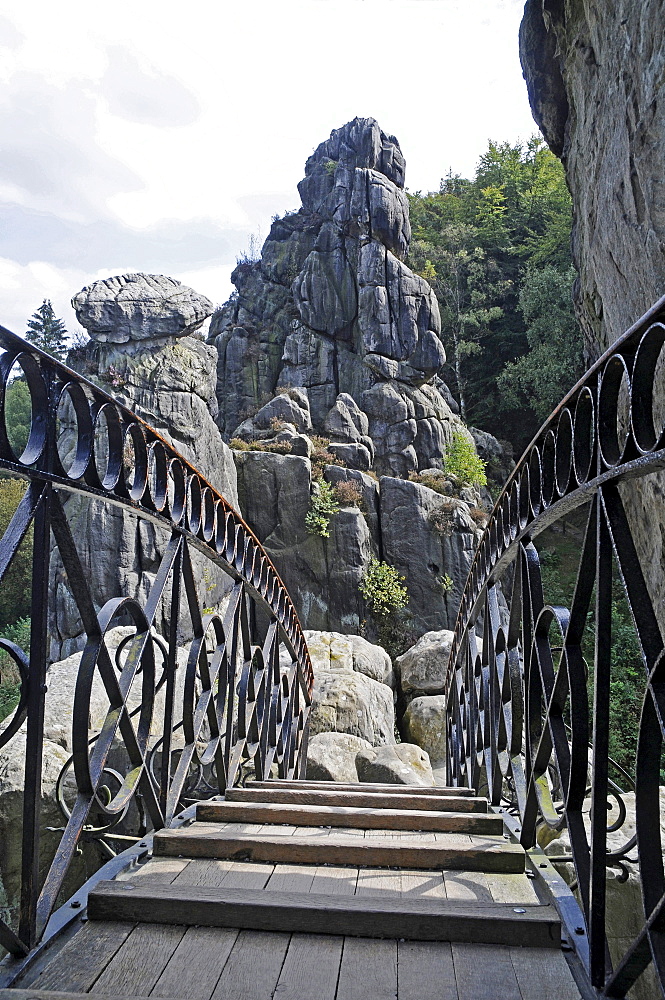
(15, 590)
(47, 332)
(10, 686)
(382, 587)
(462, 461)
(628, 678)
(478, 242)
(322, 506)
(330, 166)
(554, 363)
(18, 414)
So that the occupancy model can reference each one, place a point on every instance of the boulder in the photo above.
(332, 757)
(346, 701)
(139, 307)
(333, 651)
(402, 764)
(424, 723)
(422, 668)
(290, 407)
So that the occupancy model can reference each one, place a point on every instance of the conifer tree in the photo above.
(47, 332)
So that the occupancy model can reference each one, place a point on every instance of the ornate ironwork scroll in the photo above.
(520, 716)
(184, 731)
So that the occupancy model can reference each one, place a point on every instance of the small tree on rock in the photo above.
(47, 332)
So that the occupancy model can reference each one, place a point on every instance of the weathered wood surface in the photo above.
(364, 915)
(362, 786)
(371, 800)
(362, 818)
(324, 847)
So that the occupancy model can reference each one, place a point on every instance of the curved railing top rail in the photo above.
(602, 430)
(160, 486)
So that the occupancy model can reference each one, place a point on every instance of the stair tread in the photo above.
(364, 786)
(441, 851)
(349, 816)
(332, 797)
(366, 916)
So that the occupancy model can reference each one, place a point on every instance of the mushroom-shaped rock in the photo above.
(140, 307)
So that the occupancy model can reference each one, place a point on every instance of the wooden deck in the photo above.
(161, 930)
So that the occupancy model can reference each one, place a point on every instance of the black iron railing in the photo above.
(528, 683)
(184, 732)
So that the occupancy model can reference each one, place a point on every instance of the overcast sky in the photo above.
(153, 136)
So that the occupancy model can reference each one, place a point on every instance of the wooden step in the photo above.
(372, 800)
(354, 817)
(457, 852)
(362, 786)
(357, 916)
(28, 994)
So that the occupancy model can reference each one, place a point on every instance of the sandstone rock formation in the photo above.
(402, 764)
(424, 723)
(140, 307)
(331, 307)
(332, 757)
(167, 377)
(595, 82)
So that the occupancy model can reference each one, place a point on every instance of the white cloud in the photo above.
(157, 138)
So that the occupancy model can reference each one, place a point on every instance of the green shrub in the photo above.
(382, 587)
(10, 685)
(16, 586)
(322, 506)
(461, 460)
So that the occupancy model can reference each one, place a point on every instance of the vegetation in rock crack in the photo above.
(442, 517)
(462, 461)
(497, 251)
(47, 332)
(322, 506)
(276, 447)
(348, 493)
(383, 588)
(321, 456)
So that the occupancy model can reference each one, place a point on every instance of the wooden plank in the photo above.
(203, 872)
(368, 969)
(364, 786)
(425, 971)
(512, 889)
(28, 994)
(423, 884)
(372, 800)
(138, 964)
(291, 878)
(77, 966)
(253, 967)
(371, 915)
(378, 882)
(361, 818)
(469, 886)
(543, 974)
(245, 875)
(485, 972)
(310, 968)
(196, 964)
(449, 851)
(163, 870)
(333, 881)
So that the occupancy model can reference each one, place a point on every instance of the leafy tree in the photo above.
(540, 378)
(479, 242)
(18, 414)
(47, 332)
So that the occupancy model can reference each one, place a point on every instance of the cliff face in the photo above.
(595, 75)
(332, 308)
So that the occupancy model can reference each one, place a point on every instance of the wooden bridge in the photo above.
(244, 881)
(342, 893)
